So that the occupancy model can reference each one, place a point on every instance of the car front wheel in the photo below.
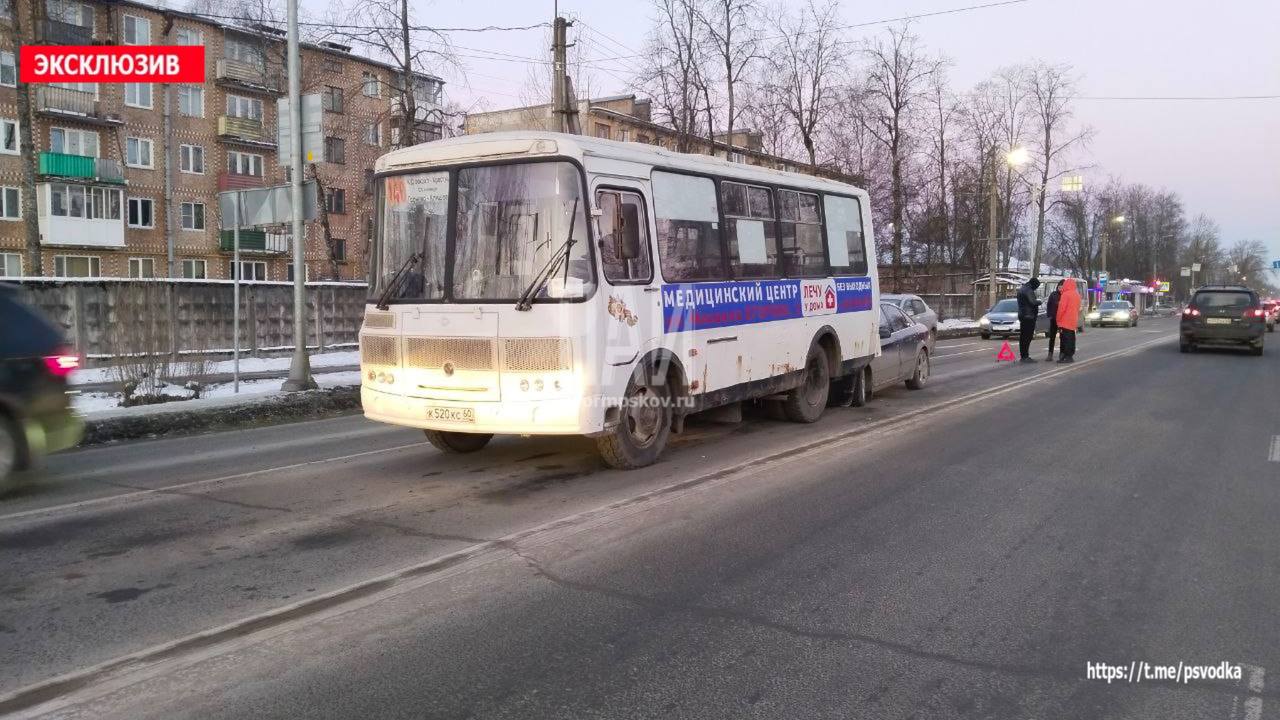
(9, 449)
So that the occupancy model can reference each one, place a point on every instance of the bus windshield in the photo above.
(511, 221)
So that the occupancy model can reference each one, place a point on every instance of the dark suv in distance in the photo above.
(35, 410)
(1223, 315)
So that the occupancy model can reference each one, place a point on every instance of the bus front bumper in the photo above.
(560, 416)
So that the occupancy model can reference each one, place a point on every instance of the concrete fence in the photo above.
(111, 318)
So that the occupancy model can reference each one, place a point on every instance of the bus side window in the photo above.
(624, 237)
(844, 235)
(688, 217)
(803, 253)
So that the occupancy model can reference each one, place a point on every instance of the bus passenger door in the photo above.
(632, 321)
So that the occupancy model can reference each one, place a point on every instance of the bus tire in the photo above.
(805, 403)
(643, 427)
(457, 442)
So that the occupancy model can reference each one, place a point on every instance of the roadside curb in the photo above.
(957, 333)
(269, 410)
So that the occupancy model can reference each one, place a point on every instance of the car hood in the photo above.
(1002, 316)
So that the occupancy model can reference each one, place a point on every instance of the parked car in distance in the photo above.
(1223, 315)
(1113, 312)
(35, 410)
(917, 309)
(1002, 320)
(905, 350)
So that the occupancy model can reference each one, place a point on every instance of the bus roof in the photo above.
(531, 143)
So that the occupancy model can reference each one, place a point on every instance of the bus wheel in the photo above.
(457, 442)
(644, 425)
(806, 403)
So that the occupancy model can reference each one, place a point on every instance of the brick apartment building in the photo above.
(629, 119)
(118, 184)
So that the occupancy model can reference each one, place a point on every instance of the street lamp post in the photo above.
(300, 366)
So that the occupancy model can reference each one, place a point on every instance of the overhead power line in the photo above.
(344, 26)
(1191, 98)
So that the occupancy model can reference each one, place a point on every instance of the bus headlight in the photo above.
(538, 385)
(524, 385)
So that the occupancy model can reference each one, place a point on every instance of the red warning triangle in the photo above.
(1005, 354)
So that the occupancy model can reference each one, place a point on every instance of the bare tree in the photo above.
(807, 59)
(732, 32)
(897, 79)
(1049, 89)
(674, 72)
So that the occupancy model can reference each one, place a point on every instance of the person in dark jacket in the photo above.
(1052, 307)
(1028, 309)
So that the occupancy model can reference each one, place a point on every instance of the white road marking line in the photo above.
(1275, 448)
(966, 352)
(86, 684)
(81, 504)
(949, 347)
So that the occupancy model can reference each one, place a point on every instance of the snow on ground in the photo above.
(97, 402)
(247, 365)
(957, 324)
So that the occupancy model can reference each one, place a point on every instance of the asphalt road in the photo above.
(961, 551)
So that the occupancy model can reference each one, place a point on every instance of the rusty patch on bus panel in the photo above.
(619, 310)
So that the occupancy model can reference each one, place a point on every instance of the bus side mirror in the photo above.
(627, 225)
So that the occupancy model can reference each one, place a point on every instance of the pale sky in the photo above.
(1222, 157)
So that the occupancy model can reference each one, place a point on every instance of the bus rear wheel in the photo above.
(457, 442)
(643, 427)
(805, 404)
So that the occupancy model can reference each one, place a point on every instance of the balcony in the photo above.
(247, 131)
(254, 241)
(80, 166)
(56, 32)
(75, 104)
(233, 181)
(247, 76)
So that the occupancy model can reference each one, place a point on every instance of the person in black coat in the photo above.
(1028, 309)
(1052, 307)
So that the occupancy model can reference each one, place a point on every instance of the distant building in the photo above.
(629, 119)
(117, 185)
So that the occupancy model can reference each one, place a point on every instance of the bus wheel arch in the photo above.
(827, 339)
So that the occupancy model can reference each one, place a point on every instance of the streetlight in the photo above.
(1018, 157)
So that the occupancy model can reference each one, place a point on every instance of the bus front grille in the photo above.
(536, 355)
(461, 353)
(379, 350)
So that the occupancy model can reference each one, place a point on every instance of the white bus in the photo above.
(536, 283)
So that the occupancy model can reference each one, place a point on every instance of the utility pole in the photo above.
(561, 95)
(300, 367)
(27, 144)
(993, 230)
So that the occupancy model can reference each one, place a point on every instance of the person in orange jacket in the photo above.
(1068, 319)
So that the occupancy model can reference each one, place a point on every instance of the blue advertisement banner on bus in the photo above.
(699, 306)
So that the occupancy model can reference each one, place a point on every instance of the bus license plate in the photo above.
(450, 414)
(1219, 321)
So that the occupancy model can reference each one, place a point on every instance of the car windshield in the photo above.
(1005, 306)
(511, 220)
(1222, 299)
(1114, 305)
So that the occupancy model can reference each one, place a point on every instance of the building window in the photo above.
(10, 265)
(192, 216)
(191, 101)
(602, 131)
(73, 142)
(188, 36)
(245, 52)
(142, 213)
(336, 201)
(103, 204)
(142, 268)
(191, 159)
(88, 203)
(641, 138)
(194, 269)
(137, 152)
(331, 99)
(368, 182)
(373, 134)
(70, 12)
(241, 163)
(137, 31)
(76, 266)
(331, 65)
(370, 86)
(9, 136)
(335, 150)
(10, 203)
(250, 270)
(8, 69)
(137, 95)
(244, 107)
(306, 276)
(339, 249)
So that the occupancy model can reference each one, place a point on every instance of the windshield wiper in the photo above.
(396, 279)
(549, 270)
